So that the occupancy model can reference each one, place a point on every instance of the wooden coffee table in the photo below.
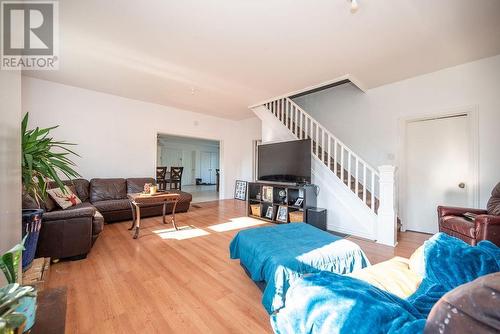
(137, 200)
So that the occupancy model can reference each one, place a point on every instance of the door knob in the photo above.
(461, 185)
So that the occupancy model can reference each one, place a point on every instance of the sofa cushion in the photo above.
(79, 186)
(393, 276)
(84, 209)
(107, 189)
(460, 225)
(82, 188)
(65, 199)
(112, 205)
(49, 204)
(416, 262)
(28, 202)
(493, 205)
(136, 185)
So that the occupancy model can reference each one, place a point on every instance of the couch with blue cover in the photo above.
(361, 303)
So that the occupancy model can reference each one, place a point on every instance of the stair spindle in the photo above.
(342, 163)
(335, 158)
(329, 155)
(323, 147)
(372, 204)
(364, 183)
(356, 171)
(317, 139)
(306, 127)
(349, 170)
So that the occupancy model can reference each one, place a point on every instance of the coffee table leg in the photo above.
(164, 211)
(173, 215)
(138, 222)
(132, 206)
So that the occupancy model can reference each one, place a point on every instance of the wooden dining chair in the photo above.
(176, 177)
(161, 178)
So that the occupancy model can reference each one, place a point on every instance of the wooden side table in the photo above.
(138, 200)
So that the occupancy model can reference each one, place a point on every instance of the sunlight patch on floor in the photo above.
(236, 223)
(184, 232)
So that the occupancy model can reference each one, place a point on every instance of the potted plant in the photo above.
(43, 159)
(11, 296)
(17, 303)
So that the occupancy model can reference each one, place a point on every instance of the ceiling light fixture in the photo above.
(354, 6)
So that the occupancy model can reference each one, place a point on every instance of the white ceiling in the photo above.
(218, 57)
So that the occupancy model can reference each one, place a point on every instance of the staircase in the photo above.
(373, 189)
(355, 173)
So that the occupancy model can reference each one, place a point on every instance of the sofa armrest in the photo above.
(488, 228)
(487, 220)
(69, 214)
(66, 237)
(456, 211)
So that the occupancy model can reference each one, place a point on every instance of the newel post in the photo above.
(386, 221)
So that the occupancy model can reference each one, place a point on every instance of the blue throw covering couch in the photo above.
(332, 303)
(281, 254)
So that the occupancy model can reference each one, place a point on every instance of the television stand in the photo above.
(280, 203)
(278, 183)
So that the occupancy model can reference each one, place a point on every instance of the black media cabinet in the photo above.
(263, 196)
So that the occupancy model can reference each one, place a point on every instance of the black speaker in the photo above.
(317, 218)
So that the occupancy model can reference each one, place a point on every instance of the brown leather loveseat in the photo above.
(71, 233)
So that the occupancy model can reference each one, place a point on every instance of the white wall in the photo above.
(369, 122)
(10, 157)
(116, 136)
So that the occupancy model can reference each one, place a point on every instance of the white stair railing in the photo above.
(356, 174)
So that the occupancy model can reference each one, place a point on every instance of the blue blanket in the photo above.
(331, 303)
(281, 254)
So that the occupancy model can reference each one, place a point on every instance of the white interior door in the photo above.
(187, 163)
(437, 166)
(205, 166)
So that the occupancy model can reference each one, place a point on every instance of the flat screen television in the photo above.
(285, 162)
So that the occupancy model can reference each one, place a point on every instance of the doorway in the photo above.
(199, 159)
(439, 168)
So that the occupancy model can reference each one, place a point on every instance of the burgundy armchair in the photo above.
(485, 226)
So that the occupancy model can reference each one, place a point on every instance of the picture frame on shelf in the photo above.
(298, 202)
(240, 190)
(267, 194)
(269, 212)
(282, 215)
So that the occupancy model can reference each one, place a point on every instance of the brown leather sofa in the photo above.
(486, 225)
(109, 196)
(470, 308)
(71, 233)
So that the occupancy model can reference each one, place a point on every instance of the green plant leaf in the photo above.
(15, 320)
(44, 159)
(9, 263)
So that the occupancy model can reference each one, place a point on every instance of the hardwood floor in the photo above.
(157, 284)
